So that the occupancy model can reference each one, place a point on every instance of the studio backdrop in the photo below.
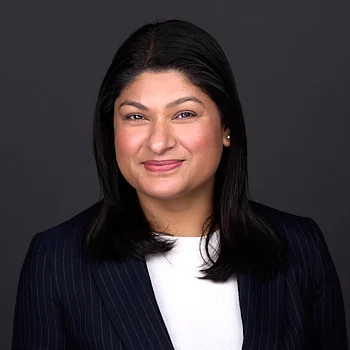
(291, 64)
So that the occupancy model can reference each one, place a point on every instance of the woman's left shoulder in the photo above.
(308, 259)
(303, 237)
(312, 281)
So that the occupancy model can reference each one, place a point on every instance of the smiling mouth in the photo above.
(162, 166)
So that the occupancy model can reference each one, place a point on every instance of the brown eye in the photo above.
(185, 115)
(135, 117)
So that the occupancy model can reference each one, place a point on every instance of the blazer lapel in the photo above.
(127, 293)
(261, 310)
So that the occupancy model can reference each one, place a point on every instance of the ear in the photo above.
(226, 140)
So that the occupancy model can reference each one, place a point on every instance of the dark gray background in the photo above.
(291, 61)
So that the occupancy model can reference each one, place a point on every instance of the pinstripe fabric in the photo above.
(65, 302)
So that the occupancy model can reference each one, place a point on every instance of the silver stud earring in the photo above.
(228, 136)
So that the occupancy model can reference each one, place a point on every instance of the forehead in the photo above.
(160, 86)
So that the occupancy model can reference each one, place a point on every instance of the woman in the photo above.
(175, 255)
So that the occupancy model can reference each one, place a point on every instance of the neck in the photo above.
(178, 216)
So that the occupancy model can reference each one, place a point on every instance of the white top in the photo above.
(198, 314)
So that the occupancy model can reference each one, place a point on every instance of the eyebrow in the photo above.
(171, 104)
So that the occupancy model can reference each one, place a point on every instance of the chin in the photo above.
(162, 188)
(165, 194)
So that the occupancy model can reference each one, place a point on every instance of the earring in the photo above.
(228, 136)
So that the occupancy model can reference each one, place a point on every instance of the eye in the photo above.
(135, 117)
(185, 115)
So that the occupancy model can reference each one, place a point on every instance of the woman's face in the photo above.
(163, 117)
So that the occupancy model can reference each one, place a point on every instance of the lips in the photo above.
(162, 162)
(162, 165)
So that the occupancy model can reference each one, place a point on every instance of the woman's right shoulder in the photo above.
(67, 234)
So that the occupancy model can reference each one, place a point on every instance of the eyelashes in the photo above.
(187, 115)
(182, 115)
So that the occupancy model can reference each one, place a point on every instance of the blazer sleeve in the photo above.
(329, 325)
(38, 320)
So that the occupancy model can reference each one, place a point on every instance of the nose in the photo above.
(161, 137)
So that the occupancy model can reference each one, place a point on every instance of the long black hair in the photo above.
(120, 228)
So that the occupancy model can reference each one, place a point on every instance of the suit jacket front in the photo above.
(65, 301)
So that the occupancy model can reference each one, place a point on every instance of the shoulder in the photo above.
(57, 245)
(290, 224)
(302, 235)
(277, 215)
(67, 234)
(306, 249)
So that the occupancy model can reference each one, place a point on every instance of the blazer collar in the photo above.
(127, 293)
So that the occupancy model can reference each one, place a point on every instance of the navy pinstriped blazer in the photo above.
(65, 302)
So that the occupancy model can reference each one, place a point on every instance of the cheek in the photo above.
(126, 146)
(125, 150)
(203, 140)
